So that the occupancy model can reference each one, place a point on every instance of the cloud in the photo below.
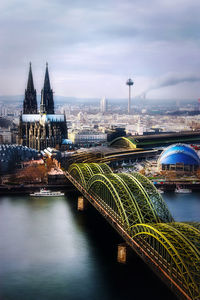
(109, 40)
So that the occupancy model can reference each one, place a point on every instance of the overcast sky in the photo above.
(92, 47)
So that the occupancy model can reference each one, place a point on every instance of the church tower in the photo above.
(47, 103)
(45, 128)
(30, 100)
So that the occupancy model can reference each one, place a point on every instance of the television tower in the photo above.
(129, 83)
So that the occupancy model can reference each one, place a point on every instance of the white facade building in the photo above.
(87, 137)
(103, 105)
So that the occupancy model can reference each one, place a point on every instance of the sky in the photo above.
(92, 47)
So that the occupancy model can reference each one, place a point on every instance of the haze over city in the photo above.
(93, 47)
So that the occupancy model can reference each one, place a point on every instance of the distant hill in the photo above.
(11, 99)
(61, 100)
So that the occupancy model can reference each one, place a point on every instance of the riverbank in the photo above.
(68, 187)
(29, 188)
(171, 186)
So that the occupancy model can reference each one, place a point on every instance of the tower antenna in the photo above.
(129, 83)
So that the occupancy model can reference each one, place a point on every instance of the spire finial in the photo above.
(47, 104)
(30, 85)
(30, 101)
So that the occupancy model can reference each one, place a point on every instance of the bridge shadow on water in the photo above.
(133, 280)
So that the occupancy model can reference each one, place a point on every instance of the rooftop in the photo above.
(179, 153)
(44, 118)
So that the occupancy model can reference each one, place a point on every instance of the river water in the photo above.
(50, 251)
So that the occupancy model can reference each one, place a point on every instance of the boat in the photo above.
(47, 193)
(180, 190)
(160, 191)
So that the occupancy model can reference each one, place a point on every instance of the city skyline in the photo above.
(92, 48)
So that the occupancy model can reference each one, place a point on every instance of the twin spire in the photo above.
(30, 100)
(30, 85)
(46, 79)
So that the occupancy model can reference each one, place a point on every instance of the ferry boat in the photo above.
(47, 193)
(180, 190)
(161, 191)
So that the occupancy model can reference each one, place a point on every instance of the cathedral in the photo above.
(43, 128)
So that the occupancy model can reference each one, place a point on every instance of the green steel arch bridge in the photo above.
(134, 207)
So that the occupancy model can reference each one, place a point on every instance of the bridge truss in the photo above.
(135, 208)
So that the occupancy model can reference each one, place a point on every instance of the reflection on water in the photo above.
(184, 207)
(50, 251)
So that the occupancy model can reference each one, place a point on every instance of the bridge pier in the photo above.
(82, 203)
(122, 253)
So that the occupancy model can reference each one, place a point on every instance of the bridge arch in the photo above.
(157, 203)
(124, 142)
(79, 172)
(136, 205)
(174, 244)
(105, 188)
(82, 172)
(129, 199)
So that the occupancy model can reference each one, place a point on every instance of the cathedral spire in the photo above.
(30, 99)
(30, 85)
(47, 103)
(47, 86)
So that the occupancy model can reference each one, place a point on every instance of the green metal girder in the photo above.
(131, 142)
(142, 198)
(82, 172)
(105, 168)
(191, 233)
(111, 192)
(76, 171)
(95, 168)
(123, 142)
(137, 205)
(158, 204)
(141, 201)
(180, 254)
(195, 225)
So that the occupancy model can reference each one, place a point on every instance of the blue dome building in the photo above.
(179, 157)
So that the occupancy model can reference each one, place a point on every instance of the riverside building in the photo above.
(180, 158)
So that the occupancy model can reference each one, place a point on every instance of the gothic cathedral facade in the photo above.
(39, 130)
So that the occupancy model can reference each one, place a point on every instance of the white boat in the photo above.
(47, 193)
(179, 190)
(160, 191)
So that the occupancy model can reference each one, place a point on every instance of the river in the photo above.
(50, 251)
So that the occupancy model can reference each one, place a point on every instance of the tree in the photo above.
(142, 171)
(198, 173)
(32, 174)
(49, 164)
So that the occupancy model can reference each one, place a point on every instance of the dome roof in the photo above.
(66, 142)
(179, 153)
